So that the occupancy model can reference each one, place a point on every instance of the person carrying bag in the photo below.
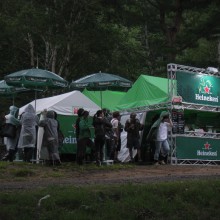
(11, 132)
(8, 130)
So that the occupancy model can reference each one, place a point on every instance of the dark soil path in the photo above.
(136, 174)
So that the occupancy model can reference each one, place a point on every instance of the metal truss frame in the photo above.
(171, 75)
(196, 162)
(159, 106)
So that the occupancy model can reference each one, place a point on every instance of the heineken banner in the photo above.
(67, 126)
(198, 88)
(197, 148)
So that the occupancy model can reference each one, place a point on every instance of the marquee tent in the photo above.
(110, 99)
(64, 104)
(146, 91)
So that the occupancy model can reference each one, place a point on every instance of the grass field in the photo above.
(192, 199)
(176, 200)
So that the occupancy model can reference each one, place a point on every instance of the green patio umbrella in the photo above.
(36, 79)
(100, 82)
(10, 91)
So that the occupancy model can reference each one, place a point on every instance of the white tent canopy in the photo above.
(64, 104)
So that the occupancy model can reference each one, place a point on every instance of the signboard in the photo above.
(177, 100)
(197, 148)
(178, 121)
(67, 124)
(198, 88)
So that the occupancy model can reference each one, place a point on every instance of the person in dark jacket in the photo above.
(76, 125)
(100, 124)
(50, 138)
(132, 127)
(120, 128)
(77, 130)
(2, 123)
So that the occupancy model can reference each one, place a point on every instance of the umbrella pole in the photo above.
(13, 99)
(104, 148)
(101, 97)
(35, 103)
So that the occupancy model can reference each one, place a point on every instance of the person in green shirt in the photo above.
(84, 137)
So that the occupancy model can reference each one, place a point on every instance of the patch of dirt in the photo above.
(134, 174)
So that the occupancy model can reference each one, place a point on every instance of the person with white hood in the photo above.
(50, 138)
(27, 140)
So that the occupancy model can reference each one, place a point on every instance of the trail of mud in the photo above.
(136, 175)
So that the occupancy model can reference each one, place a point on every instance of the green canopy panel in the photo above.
(110, 99)
(146, 91)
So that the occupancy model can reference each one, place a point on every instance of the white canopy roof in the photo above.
(64, 104)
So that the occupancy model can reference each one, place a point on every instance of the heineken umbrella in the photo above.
(36, 79)
(101, 81)
(10, 91)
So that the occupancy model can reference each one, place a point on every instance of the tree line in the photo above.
(74, 38)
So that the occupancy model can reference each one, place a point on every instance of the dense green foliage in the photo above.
(77, 37)
(74, 38)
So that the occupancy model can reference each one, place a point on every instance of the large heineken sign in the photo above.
(198, 88)
(197, 148)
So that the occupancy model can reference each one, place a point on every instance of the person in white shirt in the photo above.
(115, 127)
(160, 128)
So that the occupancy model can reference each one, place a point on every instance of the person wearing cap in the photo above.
(132, 127)
(160, 129)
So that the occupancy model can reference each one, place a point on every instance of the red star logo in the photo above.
(207, 145)
(207, 89)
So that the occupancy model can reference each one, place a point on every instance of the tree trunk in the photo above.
(54, 59)
(148, 61)
(31, 45)
(47, 52)
(65, 63)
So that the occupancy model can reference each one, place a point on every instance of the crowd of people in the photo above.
(107, 133)
(20, 134)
